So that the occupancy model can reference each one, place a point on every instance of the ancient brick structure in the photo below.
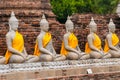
(29, 13)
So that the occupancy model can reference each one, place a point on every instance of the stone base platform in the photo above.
(91, 69)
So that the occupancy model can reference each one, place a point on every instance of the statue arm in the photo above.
(25, 52)
(41, 48)
(110, 43)
(10, 48)
(67, 46)
(78, 48)
(90, 42)
(101, 49)
(54, 52)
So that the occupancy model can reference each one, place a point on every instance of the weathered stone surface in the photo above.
(103, 69)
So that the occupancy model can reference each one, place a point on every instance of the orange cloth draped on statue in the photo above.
(45, 41)
(17, 44)
(115, 41)
(96, 43)
(72, 42)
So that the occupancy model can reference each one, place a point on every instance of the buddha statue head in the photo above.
(93, 25)
(111, 26)
(69, 25)
(44, 25)
(13, 22)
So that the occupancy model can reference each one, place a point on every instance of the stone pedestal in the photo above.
(77, 69)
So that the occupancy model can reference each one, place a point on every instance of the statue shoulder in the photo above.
(66, 35)
(8, 34)
(90, 36)
(40, 36)
(109, 36)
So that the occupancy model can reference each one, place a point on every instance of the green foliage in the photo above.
(63, 8)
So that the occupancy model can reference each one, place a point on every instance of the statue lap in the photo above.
(45, 57)
(96, 55)
(114, 53)
(16, 59)
(72, 56)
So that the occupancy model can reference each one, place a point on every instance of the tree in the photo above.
(63, 8)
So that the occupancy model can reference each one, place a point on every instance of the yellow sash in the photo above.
(96, 43)
(45, 41)
(17, 44)
(72, 42)
(115, 41)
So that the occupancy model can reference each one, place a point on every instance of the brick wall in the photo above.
(29, 13)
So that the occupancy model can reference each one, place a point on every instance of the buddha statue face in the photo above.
(13, 25)
(44, 24)
(69, 25)
(93, 26)
(93, 29)
(13, 22)
(111, 26)
(112, 29)
(70, 28)
(45, 27)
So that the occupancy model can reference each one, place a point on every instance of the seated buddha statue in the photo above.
(16, 52)
(93, 45)
(44, 48)
(70, 48)
(112, 41)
